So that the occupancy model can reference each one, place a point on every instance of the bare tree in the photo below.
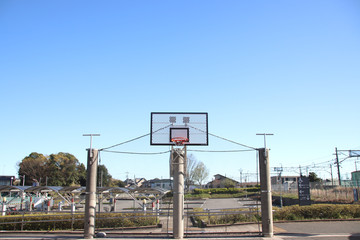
(200, 173)
(191, 164)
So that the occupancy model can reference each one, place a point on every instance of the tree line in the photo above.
(64, 169)
(61, 169)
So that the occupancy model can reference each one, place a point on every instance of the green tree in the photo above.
(104, 178)
(82, 174)
(117, 183)
(63, 170)
(33, 167)
(313, 177)
(228, 183)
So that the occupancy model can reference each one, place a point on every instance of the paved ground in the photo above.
(341, 230)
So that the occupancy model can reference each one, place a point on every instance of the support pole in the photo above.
(178, 216)
(338, 166)
(90, 201)
(265, 187)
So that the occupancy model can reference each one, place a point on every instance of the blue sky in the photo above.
(285, 67)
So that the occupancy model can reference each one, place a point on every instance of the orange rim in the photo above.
(179, 140)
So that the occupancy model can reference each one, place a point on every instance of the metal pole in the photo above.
(338, 167)
(332, 179)
(90, 201)
(265, 187)
(91, 135)
(178, 211)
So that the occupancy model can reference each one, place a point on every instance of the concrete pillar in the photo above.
(265, 187)
(90, 201)
(114, 202)
(72, 206)
(178, 218)
(144, 205)
(31, 204)
(3, 207)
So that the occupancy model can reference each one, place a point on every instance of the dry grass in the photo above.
(333, 195)
(336, 195)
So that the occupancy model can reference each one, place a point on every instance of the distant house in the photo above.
(221, 181)
(137, 182)
(284, 183)
(355, 178)
(284, 179)
(159, 183)
(7, 180)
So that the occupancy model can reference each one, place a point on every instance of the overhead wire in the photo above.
(134, 139)
(138, 153)
(131, 140)
(225, 139)
(218, 151)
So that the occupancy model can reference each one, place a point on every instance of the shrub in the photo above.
(67, 221)
(319, 211)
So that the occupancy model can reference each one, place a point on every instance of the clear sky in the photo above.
(291, 68)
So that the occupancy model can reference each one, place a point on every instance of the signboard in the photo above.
(304, 191)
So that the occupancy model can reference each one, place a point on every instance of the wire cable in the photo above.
(219, 151)
(138, 153)
(134, 139)
(232, 141)
(225, 139)
(131, 140)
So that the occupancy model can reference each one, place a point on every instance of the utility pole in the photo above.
(338, 167)
(90, 198)
(257, 167)
(265, 187)
(178, 156)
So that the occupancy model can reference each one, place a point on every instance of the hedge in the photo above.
(201, 216)
(318, 211)
(225, 190)
(67, 221)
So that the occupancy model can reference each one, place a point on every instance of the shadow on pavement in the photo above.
(355, 236)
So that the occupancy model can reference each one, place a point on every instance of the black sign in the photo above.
(304, 191)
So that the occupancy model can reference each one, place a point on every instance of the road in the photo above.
(223, 203)
(335, 230)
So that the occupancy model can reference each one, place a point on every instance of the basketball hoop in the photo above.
(179, 141)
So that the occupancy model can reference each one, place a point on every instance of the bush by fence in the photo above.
(225, 190)
(318, 211)
(76, 221)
